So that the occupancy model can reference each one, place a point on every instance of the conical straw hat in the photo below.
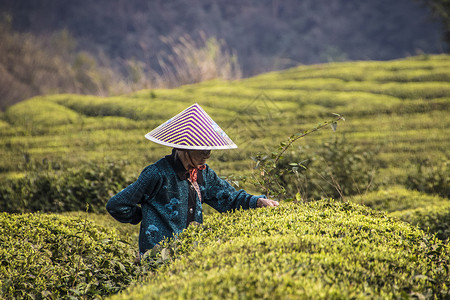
(191, 129)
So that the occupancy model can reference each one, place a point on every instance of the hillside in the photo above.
(396, 110)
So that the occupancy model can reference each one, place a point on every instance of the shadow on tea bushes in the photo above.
(54, 256)
(48, 190)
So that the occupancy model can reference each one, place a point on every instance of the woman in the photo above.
(168, 194)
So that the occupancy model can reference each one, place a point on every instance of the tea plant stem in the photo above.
(296, 137)
(270, 173)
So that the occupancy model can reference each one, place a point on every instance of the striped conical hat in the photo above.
(191, 129)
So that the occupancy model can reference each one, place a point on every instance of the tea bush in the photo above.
(318, 250)
(397, 198)
(434, 219)
(127, 232)
(45, 256)
(47, 190)
(429, 212)
(36, 120)
(430, 178)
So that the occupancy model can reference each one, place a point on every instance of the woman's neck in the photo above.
(185, 159)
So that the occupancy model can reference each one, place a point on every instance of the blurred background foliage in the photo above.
(110, 48)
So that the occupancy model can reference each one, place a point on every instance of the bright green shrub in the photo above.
(60, 257)
(407, 75)
(319, 250)
(127, 232)
(3, 125)
(49, 190)
(98, 106)
(413, 90)
(155, 109)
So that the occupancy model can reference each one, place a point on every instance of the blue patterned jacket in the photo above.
(159, 200)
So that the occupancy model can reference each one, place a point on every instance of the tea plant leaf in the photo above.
(334, 126)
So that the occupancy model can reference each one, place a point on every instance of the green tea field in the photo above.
(398, 109)
(386, 165)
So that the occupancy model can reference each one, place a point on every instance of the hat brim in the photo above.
(189, 147)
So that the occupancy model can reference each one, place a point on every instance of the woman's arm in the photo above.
(223, 197)
(124, 205)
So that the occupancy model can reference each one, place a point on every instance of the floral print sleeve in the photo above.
(223, 197)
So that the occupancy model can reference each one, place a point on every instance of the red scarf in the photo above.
(193, 179)
(193, 173)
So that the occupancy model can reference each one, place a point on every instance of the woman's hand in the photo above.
(263, 202)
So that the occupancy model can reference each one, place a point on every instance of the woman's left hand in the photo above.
(263, 202)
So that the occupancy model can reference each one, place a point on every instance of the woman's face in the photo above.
(199, 157)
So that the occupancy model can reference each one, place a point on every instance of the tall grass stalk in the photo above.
(195, 60)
